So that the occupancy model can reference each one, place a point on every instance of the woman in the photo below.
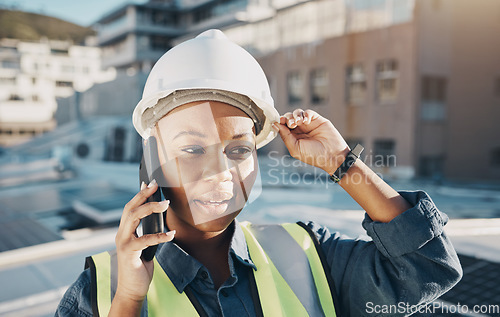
(204, 107)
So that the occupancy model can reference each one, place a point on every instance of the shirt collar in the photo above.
(182, 268)
(239, 246)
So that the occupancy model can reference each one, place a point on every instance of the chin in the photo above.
(217, 225)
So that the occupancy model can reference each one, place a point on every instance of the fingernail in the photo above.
(290, 122)
(171, 233)
(153, 182)
(165, 203)
(275, 127)
(143, 185)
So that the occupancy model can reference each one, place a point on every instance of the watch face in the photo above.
(357, 150)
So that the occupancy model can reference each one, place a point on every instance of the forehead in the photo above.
(208, 119)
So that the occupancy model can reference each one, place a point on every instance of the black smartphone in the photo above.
(150, 169)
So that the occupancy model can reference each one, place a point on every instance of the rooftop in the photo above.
(54, 233)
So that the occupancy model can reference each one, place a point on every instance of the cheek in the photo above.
(181, 170)
(247, 171)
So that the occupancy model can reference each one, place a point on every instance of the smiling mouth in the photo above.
(212, 207)
(212, 202)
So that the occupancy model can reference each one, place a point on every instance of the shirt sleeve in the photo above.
(409, 262)
(76, 300)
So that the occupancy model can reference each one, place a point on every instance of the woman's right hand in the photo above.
(135, 274)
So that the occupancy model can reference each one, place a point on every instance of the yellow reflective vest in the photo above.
(292, 277)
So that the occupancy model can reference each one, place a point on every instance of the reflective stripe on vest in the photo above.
(290, 277)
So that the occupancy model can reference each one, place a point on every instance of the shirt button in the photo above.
(224, 293)
(204, 275)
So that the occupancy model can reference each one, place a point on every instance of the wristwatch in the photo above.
(351, 157)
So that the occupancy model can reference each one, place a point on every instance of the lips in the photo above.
(213, 203)
(215, 197)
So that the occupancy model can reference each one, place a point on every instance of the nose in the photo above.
(217, 168)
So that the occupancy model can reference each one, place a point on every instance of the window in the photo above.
(434, 89)
(59, 51)
(384, 151)
(61, 83)
(160, 17)
(295, 87)
(159, 43)
(10, 64)
(387, 81)
(15, 97)
(116, 146)
(319, 85)
(202, 14)
(433, 98)
(355, 84)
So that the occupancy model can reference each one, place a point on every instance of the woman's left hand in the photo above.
(312, 139)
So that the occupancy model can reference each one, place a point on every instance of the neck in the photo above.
(198, 240)
(210, 248)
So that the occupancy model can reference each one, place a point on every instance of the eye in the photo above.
(238, 153)
(194, 149)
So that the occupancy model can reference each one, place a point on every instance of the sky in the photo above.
(82, 12)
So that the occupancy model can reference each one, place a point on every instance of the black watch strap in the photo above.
(351, 157)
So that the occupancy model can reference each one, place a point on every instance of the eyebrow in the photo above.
(190, 132)
(241, 135)
(201, 135)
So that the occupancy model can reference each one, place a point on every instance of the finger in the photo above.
(148, 240)
(288, 138)
(298, 116)
(141, 196)
(289, 120)
(309, 116)
(133, 219)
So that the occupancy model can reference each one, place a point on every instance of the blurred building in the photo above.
(416, 82)
(133, 37)
(33, 75)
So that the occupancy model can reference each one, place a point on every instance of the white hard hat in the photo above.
(208, 67)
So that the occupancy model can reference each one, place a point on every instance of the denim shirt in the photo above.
(409, 260)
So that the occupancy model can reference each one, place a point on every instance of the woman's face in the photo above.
(208, 156)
